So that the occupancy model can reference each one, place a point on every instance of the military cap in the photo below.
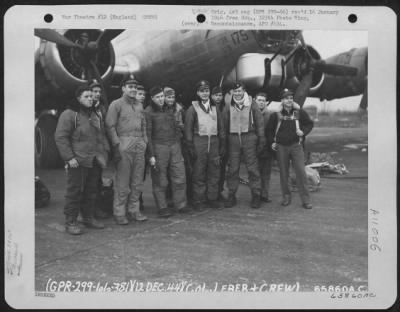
(237, 85)
(169, 91)
(202, 84)
(140, 87)
(286, 92)
(130, 79)
(94, 83)
(155, 90)
(216, 90)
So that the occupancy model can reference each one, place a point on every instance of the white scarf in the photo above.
(245, 101)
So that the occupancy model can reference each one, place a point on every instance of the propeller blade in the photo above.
(53, 36)
(303, 89)
(107, 35)
(331, 69)
(335, 70)
(98, 78)
(303, 44)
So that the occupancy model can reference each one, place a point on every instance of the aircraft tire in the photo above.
(46, 152)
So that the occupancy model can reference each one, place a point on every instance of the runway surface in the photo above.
(288, 246)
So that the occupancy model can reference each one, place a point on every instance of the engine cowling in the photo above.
(59, 70)
(258, 71)
(63, 66)
(272, 72)
(298, 65)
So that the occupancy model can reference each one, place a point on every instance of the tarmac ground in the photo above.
(273, 245)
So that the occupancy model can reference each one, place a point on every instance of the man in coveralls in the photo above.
(164, 154)
(174, 108)
(217, 99)
(205, 137)
(286, 131)
(81, 141)
(179, 111)
(245, 130)
(126, 126)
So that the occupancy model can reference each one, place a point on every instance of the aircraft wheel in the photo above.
(46, 152)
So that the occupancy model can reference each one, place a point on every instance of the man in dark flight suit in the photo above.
(245, 130)
(204, 134)
(287, 130)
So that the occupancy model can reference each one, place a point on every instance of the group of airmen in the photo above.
(190, 153)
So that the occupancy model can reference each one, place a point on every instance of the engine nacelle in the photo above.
(335, 87)
(59, 70)
(258, 71)
(272, 72)
(298, 65)
(61, 66)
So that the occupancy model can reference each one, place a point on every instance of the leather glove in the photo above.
(261, 146)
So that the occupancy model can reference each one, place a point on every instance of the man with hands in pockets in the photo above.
(126, 127)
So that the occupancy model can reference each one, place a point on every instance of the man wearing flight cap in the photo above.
(164, 154)
(126, 126)
(244, 124)
(176, 109)
(286, 132)
(205, 137)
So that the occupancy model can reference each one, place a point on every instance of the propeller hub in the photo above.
(78, 60)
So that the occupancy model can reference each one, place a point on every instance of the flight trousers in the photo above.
(246, 145)
(188, 171)
(206, 168)
(128, 184)
(82, 186)
(222, 175)
(169, 162)
(294, 152)
(265, 163)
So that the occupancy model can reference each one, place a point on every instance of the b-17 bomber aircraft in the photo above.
(264, 60)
